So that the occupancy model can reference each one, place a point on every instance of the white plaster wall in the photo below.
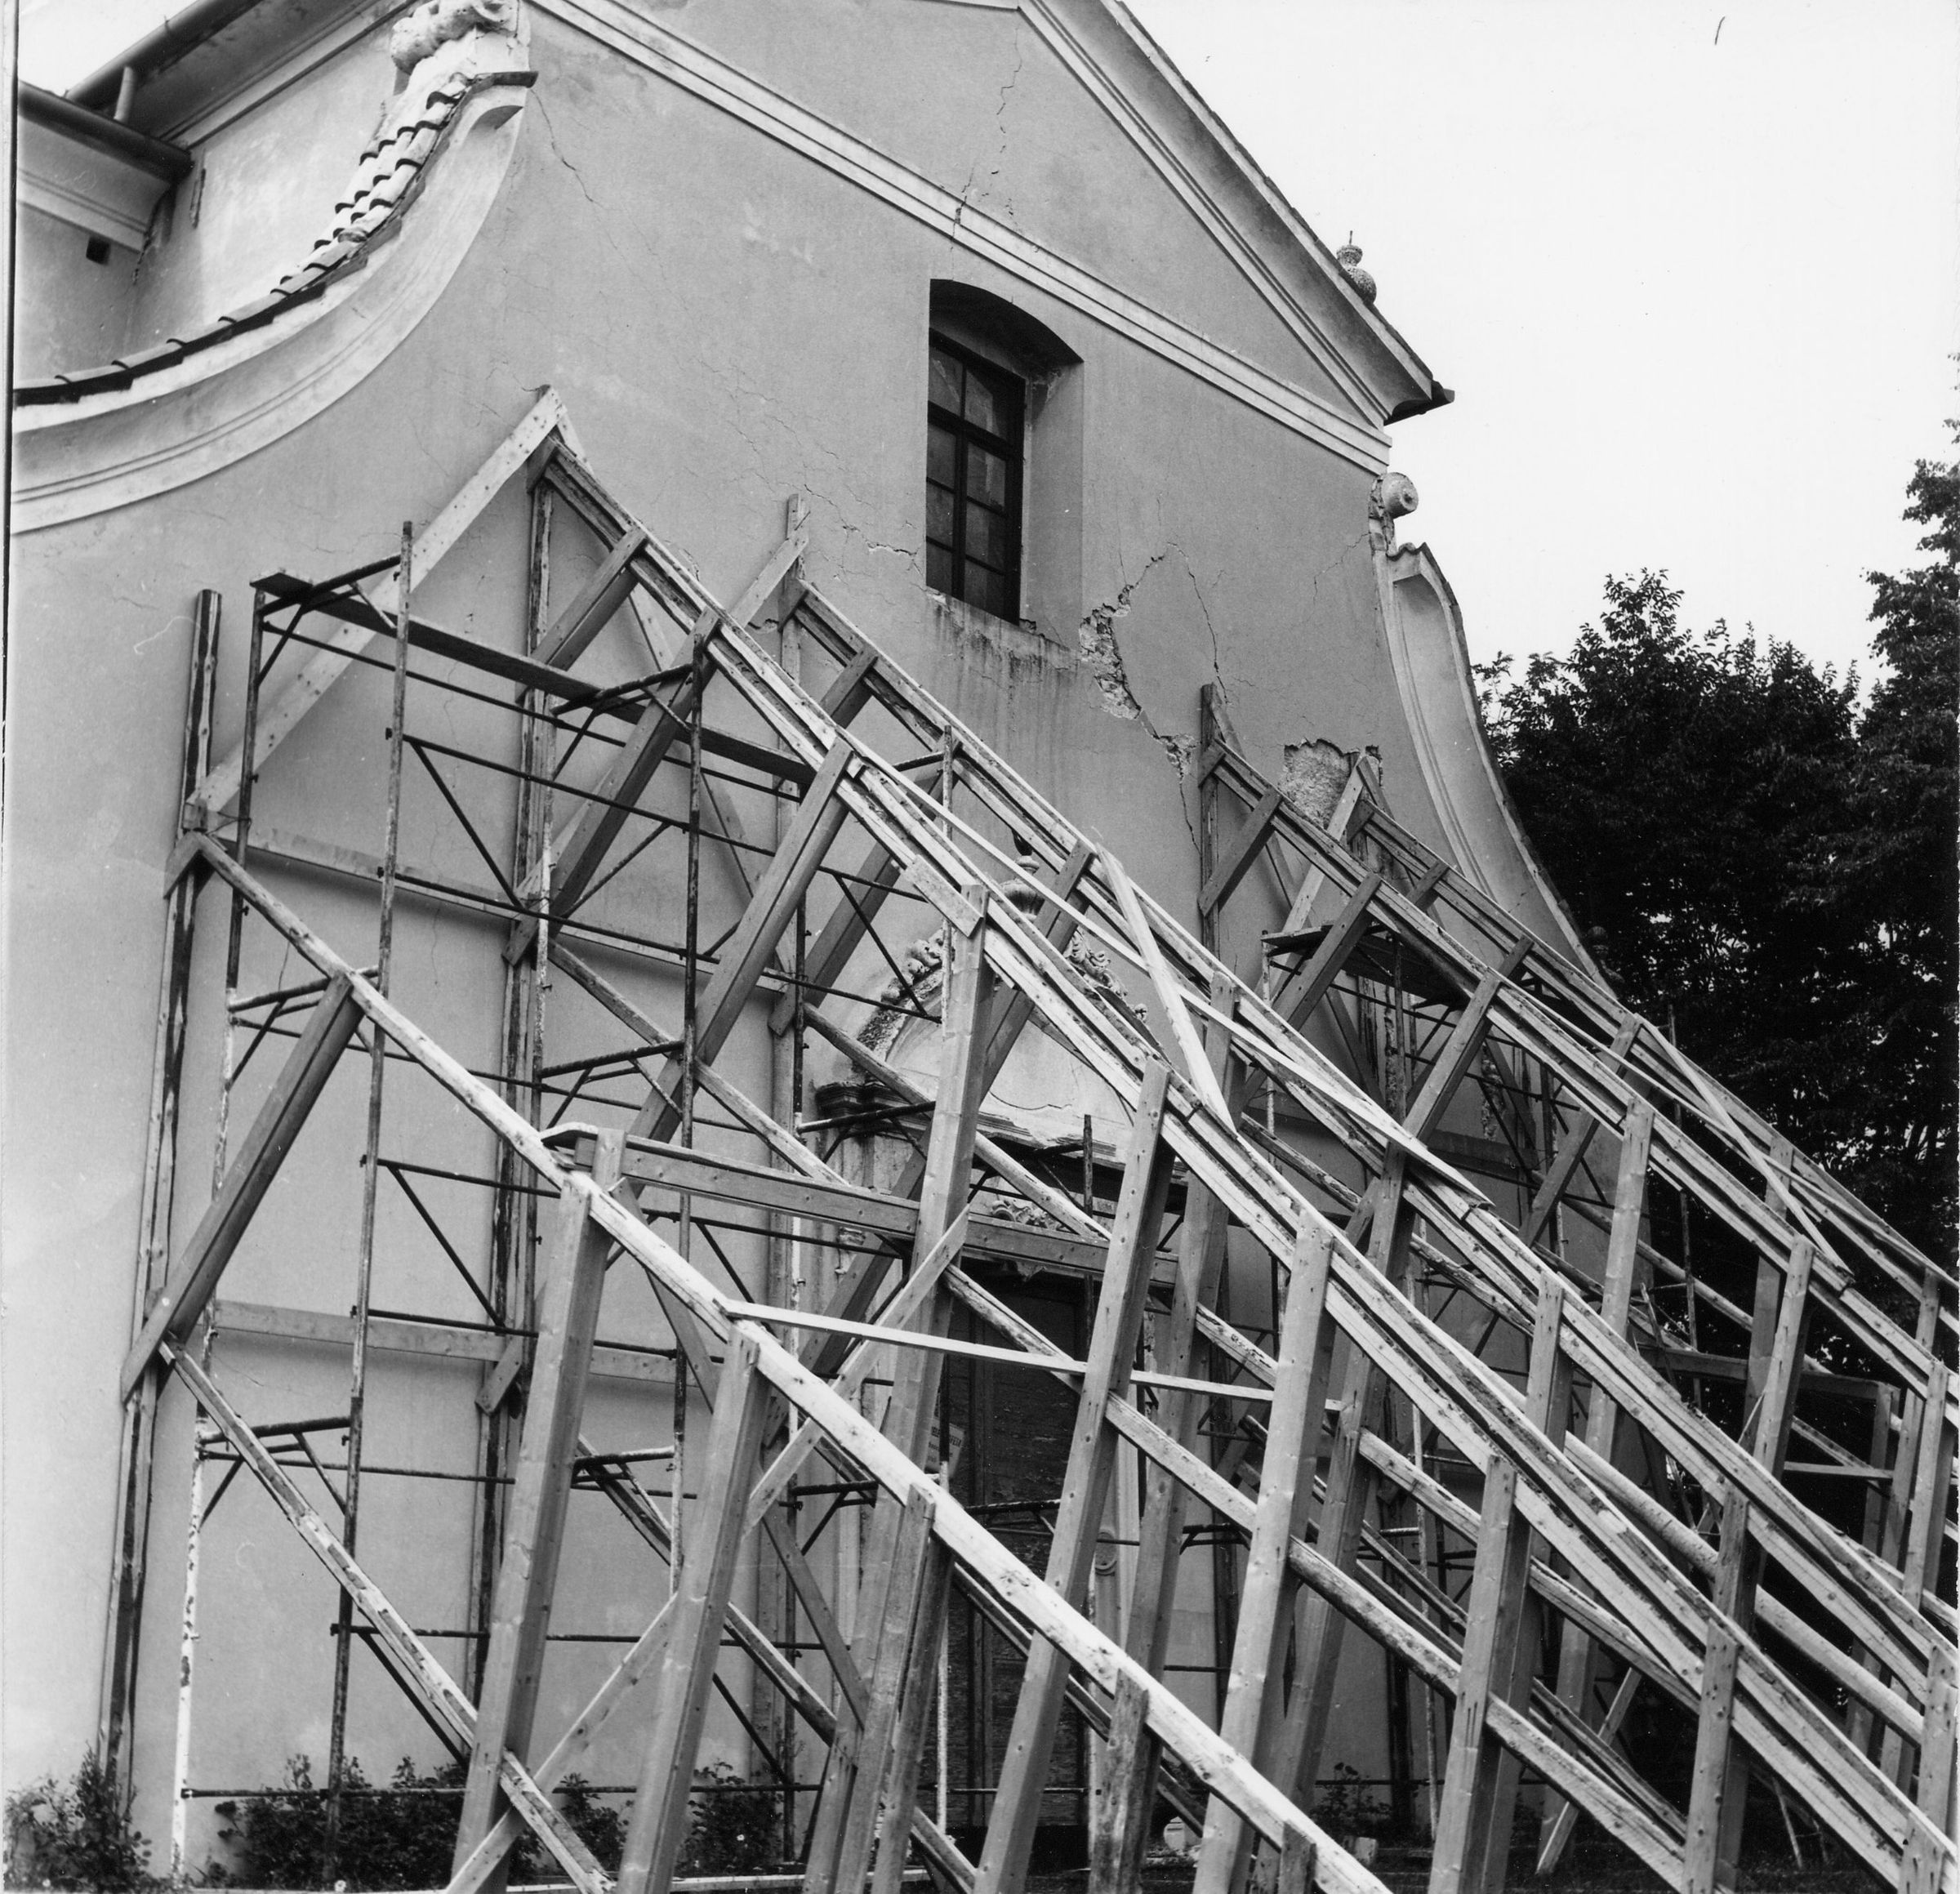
(729, 325)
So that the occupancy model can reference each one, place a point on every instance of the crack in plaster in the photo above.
(1101, 655)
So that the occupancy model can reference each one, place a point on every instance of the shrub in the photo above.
(401, 1836)
(733, 1828)
(76, 1836)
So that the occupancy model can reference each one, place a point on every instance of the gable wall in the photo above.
(729, 323)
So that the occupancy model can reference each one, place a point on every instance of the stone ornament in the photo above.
(1349, 257)
(436, 22)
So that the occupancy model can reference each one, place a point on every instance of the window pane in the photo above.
(987, 589)
(939, 455)
(938, 566)
(986, 535)
(939, 515)
(986, 476)
(947, 376)
(983, 408)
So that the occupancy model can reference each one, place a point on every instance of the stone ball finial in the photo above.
(1396, 496)
(1349, 257)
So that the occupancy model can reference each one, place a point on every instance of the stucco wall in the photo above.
(729, 325)
(77, 311)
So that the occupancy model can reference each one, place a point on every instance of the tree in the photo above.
(1764, 867)
(1892, 871)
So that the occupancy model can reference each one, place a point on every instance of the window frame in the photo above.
(1011, 389)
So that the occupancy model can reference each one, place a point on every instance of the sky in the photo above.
(1693, 270)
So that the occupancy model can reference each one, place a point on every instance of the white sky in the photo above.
(1696, 291)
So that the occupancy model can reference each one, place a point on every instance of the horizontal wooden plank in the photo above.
(416, 1337)
(655, 1162)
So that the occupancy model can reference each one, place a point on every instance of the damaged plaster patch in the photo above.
(1096, 641)
(1314, 775)
(1102, 657)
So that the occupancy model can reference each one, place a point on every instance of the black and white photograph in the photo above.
(980, 947)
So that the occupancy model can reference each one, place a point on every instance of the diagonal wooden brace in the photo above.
(568, 1320)
(190, 1287)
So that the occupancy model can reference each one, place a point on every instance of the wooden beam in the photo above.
(908, 1741)
(1714, 1826)
(1349, 808)
(791, 870)
(1616, 1295)
(1181, 1044)
(1460, 1051)
(659, 1822)
(409, 1659)
(1057, 922)
(1160, 1531)
(1241, 853)
(1252, 1700)
(568, 1320)
(1927, 1861)
(846, 1867)
(600, 596)
(856, 911)
(1119, 1815)
(1564, 1167)
(1120, 1308)
(911, 1409)
(851, 688)
(1473, 1822)
(1300, 993)
(577, 852)
(947, 1178)
(1344, 1509)
(278, 719)
(1769, 1434)
(189, 1286)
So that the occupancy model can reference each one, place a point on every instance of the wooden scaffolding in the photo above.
(1358, 1462)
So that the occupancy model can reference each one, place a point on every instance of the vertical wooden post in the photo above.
(1925, 1863)
(1769, 1294)
(1925, 1522)
(911, 1411)
(1616, 1295)
(567, 1319)
(659, 1821)
(124, 1630)
(893, 1663)
(1285, 1492)
(747, 952)
(1160, 1533)
(924, 1681)
(1119, 1817)
(1721, 1778)
(1344, 1510)
(1120, 1308)
(1474, 1826)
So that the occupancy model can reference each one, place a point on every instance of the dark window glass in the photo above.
(973, 473)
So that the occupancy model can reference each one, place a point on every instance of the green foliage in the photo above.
(76, 1835)
(1894, 865)
(1343, 1806)
(401, 1836)
(1755, 859)
(734, 1829)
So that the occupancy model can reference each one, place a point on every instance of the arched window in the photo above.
(993, 429)
(974, 447)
